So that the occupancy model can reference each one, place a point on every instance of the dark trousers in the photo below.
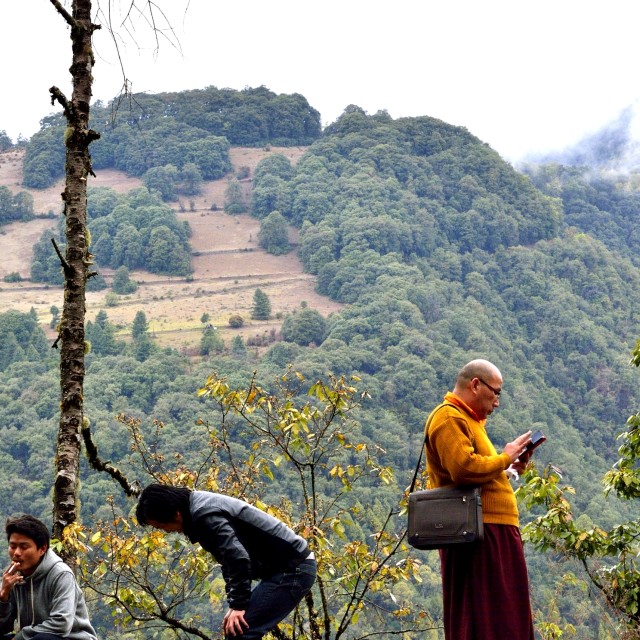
(274, 598)
(486, 588)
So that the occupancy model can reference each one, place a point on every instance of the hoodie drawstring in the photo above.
(33, 611)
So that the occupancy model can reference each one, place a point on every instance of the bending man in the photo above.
(249, 545)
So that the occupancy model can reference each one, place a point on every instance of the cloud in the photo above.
(614, 147)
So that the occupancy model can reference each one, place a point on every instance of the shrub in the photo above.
(111, 299)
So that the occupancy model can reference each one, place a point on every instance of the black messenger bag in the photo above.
(444, 516)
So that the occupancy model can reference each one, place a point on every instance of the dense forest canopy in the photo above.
(442, 251)
(189, 127)
(136, 230)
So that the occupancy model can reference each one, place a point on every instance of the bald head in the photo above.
(477, 369)
(479, 384)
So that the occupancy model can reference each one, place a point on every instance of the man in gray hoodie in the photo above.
(39, 594)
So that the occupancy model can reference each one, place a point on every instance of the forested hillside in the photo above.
(442, 252)
(133, 231)
(178, 129)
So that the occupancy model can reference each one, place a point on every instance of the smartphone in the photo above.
(537, 438)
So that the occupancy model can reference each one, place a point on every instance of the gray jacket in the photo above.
(247, 542)
(48, 601)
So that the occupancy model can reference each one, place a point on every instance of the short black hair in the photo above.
(160, 503)
(30, 527)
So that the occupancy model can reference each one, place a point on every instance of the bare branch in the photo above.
(57, 95)
(64, 13)
(154, 17)
(151, 21)
(99, 465)
(65, 265)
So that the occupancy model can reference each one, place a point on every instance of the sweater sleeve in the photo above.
(466, 453)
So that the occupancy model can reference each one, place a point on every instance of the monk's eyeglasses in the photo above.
(486, 384)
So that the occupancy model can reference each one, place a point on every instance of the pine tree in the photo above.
(139, 326)
(261, 306)
(238, 348)
(102, 336)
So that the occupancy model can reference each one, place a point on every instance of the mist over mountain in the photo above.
(612, 148)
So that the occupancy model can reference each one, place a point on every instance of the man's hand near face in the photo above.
(10, 577)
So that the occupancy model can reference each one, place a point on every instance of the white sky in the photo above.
(523, 76)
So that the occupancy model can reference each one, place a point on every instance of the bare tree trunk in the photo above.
(76, 262)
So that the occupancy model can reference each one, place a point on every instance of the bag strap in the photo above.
(424, 442)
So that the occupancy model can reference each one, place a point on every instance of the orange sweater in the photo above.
(460, 452)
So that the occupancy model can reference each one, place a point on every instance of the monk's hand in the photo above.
(516, 448)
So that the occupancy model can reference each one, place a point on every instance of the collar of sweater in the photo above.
(453, 399)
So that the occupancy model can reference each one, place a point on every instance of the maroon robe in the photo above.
(485, 588)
